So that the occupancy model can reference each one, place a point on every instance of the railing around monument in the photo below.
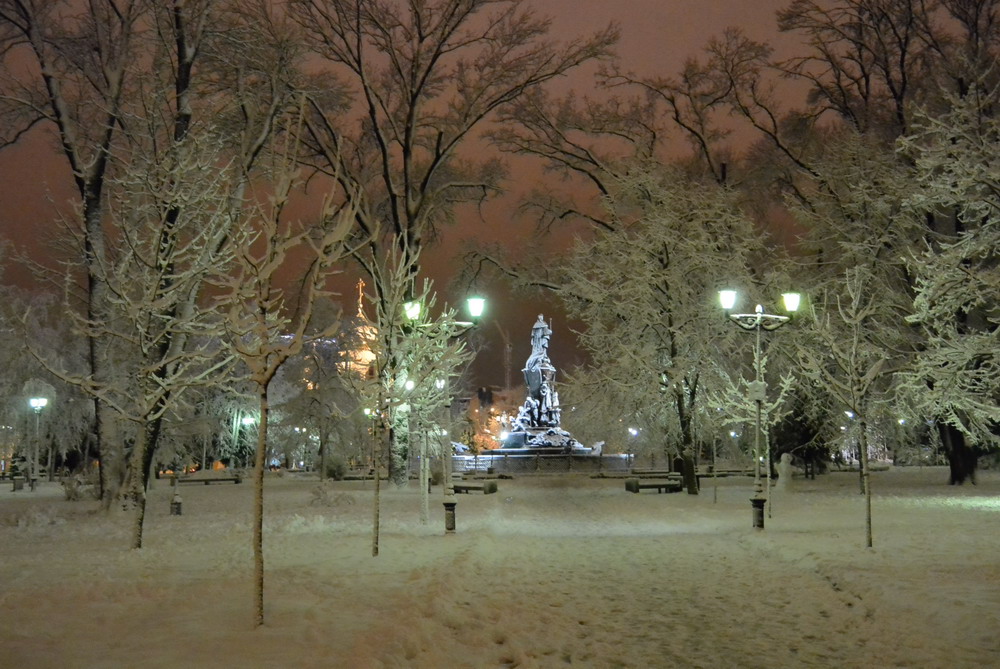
(548, 463)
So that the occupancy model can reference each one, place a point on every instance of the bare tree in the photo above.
(646, 292)
(848, 357)
(955, 378)
(82, 58)
(162, 338)
(416, 355)
(124, 86)
(425, 77)
(263, 329)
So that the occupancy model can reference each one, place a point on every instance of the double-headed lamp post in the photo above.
(475, 305)
(37, 404)
(758, 322)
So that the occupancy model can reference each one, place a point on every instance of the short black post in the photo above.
(758, 511)
(449, 517)
(175, 503)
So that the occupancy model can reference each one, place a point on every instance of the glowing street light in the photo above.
(37, 404)
(758, 322)
(412, 310)
(476, 306)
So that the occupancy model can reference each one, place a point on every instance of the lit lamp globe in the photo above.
(476, 306)
(727, 299)
(791, 301)
(411, 310)
(38, 403)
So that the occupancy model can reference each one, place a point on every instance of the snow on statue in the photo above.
(537, 422)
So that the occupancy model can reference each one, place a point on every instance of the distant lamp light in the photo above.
(901, 421)
(439, 384)
(38, 403)
(504, 435)
(411, 310)
(248, 420)
(849, 414)
(633, 431)
(476, 306)
(727, 299)
(409, 385)
(791, 301)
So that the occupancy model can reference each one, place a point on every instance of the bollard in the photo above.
(449, 517)
(175, 505)
(758, 512)
(18, 483)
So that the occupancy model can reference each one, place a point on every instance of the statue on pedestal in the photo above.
(537, 422)
(541, 408)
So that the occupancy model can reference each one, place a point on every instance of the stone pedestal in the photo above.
(449, 517)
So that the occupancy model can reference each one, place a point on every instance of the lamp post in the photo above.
(758, 322)
(476, 306)
(37, 404)
(246, 423)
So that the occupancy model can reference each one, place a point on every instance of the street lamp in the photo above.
(758, 322)
(37, 404)
(476, 306)
(412, 312)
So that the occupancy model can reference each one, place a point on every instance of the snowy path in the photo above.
(548, 572)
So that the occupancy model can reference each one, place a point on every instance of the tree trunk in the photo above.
(258, 510)
(376, 467)
(425, 478)
(687, 443)
(962, 459)
(137, 487)
(690, 473)
(322, 455)
(866, 483)
(399, 446)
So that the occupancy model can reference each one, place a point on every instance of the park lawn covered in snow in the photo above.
(550, 571)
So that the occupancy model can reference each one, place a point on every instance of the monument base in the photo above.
(537, 439)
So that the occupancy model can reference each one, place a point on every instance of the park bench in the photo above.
(207, 479)
(667, 485)
(487, 487)
(721, 473)
(655, 474)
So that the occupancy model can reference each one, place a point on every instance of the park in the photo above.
(551, 570)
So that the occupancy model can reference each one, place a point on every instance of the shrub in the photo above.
(436, 476)
(336, 468)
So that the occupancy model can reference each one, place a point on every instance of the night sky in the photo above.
(657, 37)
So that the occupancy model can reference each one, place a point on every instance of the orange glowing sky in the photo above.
(657, 36)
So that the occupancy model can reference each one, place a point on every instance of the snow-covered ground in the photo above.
(550, 571)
